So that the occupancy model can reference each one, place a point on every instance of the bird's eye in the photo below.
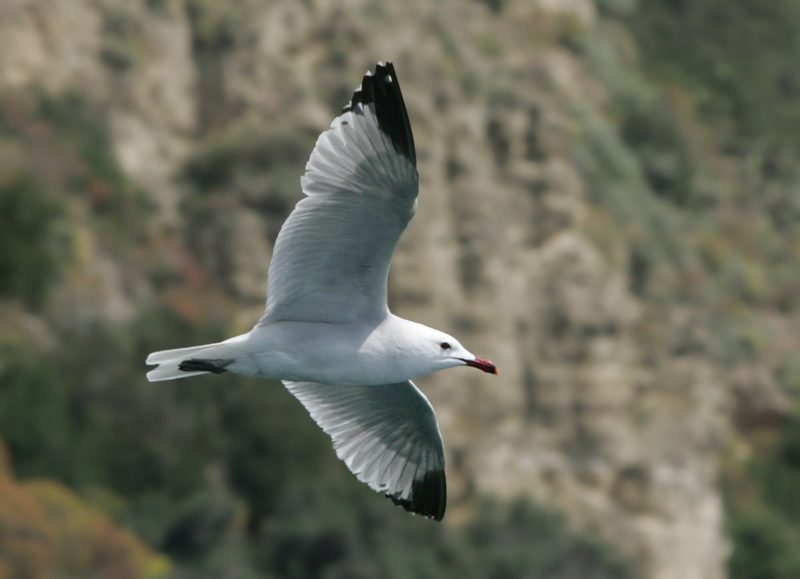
(445, 346)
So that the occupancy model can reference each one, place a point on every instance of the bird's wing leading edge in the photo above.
(387, 436)
(331, 259)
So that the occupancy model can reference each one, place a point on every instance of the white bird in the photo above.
(327, 331)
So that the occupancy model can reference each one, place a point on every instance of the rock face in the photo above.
(606, 407)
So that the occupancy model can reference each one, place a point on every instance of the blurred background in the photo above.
(609, 210)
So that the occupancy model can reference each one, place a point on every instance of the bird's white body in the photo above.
(327, 332)
(359, 353)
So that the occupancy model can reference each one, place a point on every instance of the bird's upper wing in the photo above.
(331, 258)
(387, 436)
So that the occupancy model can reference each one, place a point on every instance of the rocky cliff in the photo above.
(638, 334)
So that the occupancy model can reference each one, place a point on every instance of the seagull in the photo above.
(327, 331)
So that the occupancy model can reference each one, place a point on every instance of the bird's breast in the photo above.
(327, 354)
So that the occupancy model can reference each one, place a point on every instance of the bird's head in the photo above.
(447, 352)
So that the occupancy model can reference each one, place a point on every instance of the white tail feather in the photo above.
(169, 360)
(169, 371)
(177, 354)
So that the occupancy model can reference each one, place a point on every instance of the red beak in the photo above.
(482, 364)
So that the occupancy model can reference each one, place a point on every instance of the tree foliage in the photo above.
(27, 261)
(47, 532)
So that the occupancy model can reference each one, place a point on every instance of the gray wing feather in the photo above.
(387, 436)
(331, 259)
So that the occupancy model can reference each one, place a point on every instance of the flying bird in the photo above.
(327, 331)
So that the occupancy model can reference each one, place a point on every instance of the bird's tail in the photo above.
(183, 362)
(196, 360)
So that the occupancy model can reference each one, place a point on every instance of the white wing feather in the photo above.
(387, 436)
(331, 258)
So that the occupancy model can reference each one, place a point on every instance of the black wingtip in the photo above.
(428, 496)
(382, 88)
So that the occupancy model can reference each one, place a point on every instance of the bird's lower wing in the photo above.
(387, 436)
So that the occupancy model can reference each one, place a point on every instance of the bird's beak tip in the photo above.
(483, 364)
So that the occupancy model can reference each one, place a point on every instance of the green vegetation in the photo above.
(765, 546)
(318, 537)
(63, 159)
(80, 139)
(121, 30)
(715, 203)
(652, 130)
(239, 154)
(215, 25)
(241, 166)
(494, 6)
(699, 176)
(738, 58)
(764, 511)
(49, 532)
(28, 263)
